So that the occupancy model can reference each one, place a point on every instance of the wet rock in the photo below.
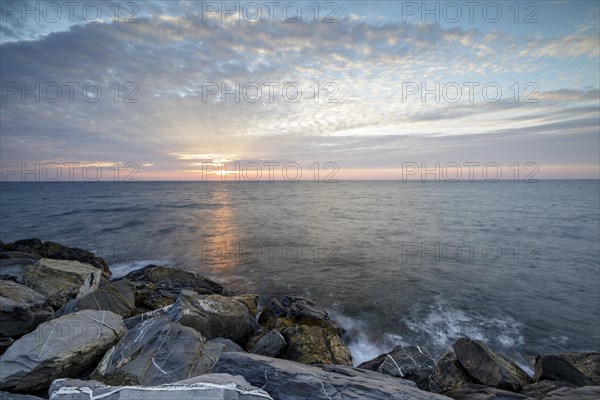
(579, 369)
(288, 380)
(481, 392)
(250, 301)
(489, 367)
(539, 390)
(409, 362)
(214, 316)
(117, 297)
(60, 281)
(448, 374)
(270, 344)
(13, 396)
(581, 393)
(59, 348)
(21, 309)
(135, 320)
(209, 387)
(157, 286)
(59, 252)
(11, 269)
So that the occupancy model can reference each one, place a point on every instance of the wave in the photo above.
(119, 270)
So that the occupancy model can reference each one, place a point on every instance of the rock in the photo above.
(11, 269)
(539, 390)
(4, 255)
(581, 393)
(214, 316)
(489, 367)
(481, 392)
(157, 287)
(270, 344)
(135, 320)
(298, 311)
(250, 301)
(448, 374)
(63, 347)
(288, 380)
(579, 369)
(208, 387)
(5, 343)
(160, 351)
(60, 280)
(21, 309)
(408, 362)
(117, 297)
(13, 396)
(58, 252)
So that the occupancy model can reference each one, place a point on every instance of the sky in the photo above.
(203, 90)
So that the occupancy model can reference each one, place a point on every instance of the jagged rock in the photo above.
(157, 286)
(288, 380)
(207, 387)
(5, 343)
(59, 252)
(250, 301)
(448, 374)
(539, 390)
(59, 348)
(135, 320)
(60, 281)
(579, 369)
(214, 316)
(7, 255)
(580, 393)
(11, 269)
(21, 309)
(489, 367)
(270, 344)
(117, 297)
(13, 396)
(409, 362)
(481, 392)
(312, 337)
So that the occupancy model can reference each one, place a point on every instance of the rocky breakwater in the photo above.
(160, 333)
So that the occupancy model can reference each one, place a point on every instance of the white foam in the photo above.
(121, 269)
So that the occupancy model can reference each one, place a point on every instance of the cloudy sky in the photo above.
(174, 87)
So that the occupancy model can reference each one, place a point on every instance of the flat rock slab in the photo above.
(21, 309)
(579, 369)
(61, 280)
(206, 387)
(60, 348)
(289, 380)
(582, 393)
(481, 392)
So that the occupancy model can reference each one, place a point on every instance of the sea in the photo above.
(516, 264)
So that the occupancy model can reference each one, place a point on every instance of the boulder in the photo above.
(21, 309)
(214, 316)
(157, 286)
(13, 396)
(208, 387)
(489, 367)
(159, 351)
(448, 374)
(579, 369)
(269, 344)
(296, 310)
(117, 297)
(60, 281)
(59, 252)
(250, 301)
(481, 392)
(409, 362)
(539, 390)
(288, 380)
(64, 347)
(11, 269)
(137, 319)
(580, 393)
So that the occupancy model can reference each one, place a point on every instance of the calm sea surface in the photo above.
(515, 264)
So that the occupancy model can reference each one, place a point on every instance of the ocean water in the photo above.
(515, 264)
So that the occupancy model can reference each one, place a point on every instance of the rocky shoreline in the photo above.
(68, 332)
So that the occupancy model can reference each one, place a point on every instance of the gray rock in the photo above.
(489, 367)
(5, 343)
(288, 380)
(481, 392)
(21, 309)
(13, 396)
(409, 362)
(63, 347)
(157, 286)
(539, 390)
(579, 369)
(214, 316)
(206, 387)
(270, 344)
(581, 393)
(135, 320)
(60, 280)
(448, 374)
(117, 297)
(11, 269)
